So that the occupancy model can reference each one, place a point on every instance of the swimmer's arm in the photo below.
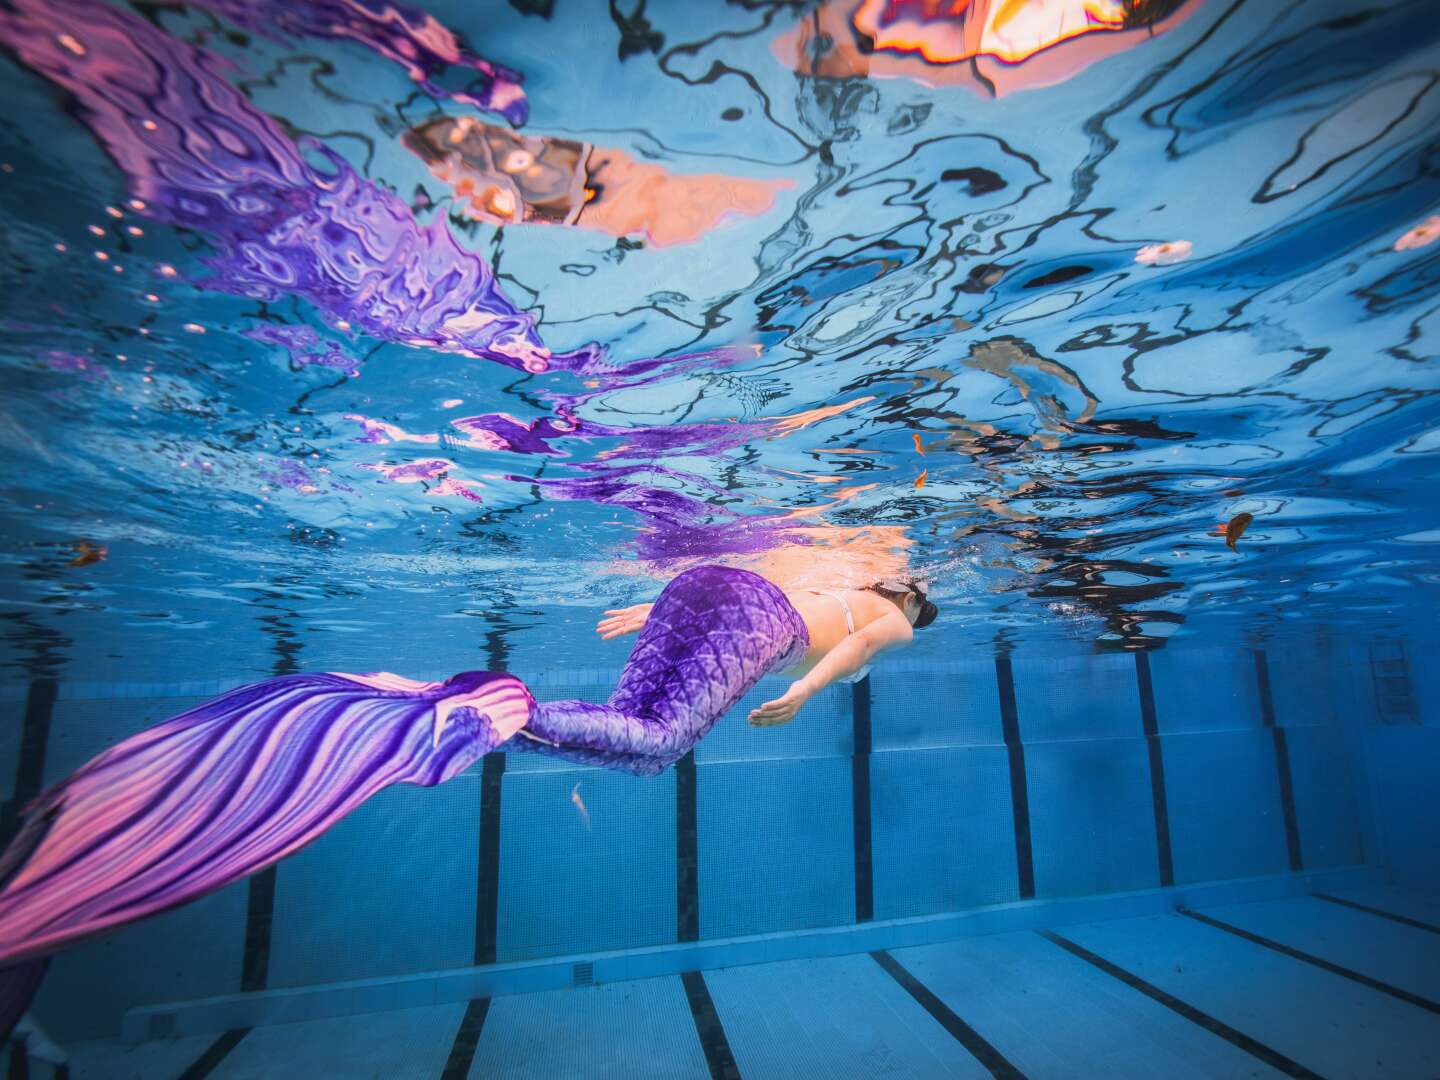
(623, 621)
(846, 658)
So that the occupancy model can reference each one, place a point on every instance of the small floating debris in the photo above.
(920, 480)
(1233, 529)
(88, 553)
(580, 805)
(1166, 254)
(1427, 232)
(919, 446)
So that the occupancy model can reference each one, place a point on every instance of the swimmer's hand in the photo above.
(782, 710)
(623, 621)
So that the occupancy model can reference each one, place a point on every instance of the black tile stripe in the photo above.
(962, 1032)
(708, 1026)
(487, 883)
(1282, 760)
(467, 1038)
(39, 711)
(19, 1062)
(860, 800)
(260, 889)
(1404, 920)
(1253, 1047)
(1151, 725)
(1316, 961)
(687, 852)
(1019, 792)
(259, 918)
(30, 768)
(215, 1053)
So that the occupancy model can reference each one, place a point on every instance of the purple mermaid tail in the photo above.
(212, 795)
(226, 789)
(713, 632)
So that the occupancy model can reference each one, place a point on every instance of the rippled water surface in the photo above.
(338, 318)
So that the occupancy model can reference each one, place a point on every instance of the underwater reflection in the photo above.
(780, 308)
(993, 46)
(502, 177)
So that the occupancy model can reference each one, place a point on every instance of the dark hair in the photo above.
(896, 590)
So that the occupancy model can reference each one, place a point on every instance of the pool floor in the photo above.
(1345, 984)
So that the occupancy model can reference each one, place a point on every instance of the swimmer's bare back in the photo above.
(835, 652)
(825, 619)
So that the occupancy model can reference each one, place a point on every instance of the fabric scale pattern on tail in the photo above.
(713, 633)
(226, 789)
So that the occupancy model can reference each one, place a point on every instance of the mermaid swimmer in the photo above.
(234, 785)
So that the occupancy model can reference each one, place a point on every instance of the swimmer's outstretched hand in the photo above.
(782, 710)
(623, 621)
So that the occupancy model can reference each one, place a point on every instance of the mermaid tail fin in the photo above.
(230, 787)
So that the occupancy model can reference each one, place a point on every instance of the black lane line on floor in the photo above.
(1253, 1047)
(687, 852)
(467, 1038)
(860, 799)
(215, 1053)
(487, 874)
(1404, 920)
(1282, 760)
(1158, 798)
(1316, 961)
(30, 768)
(1019, 792)
(259, 920)
(962, 1032)
(19, 1062)
(708, 1026)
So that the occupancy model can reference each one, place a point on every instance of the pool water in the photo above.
(342, 336)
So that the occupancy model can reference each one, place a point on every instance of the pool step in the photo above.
(302, 1003)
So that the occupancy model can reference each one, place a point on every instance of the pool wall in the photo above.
(934, 789)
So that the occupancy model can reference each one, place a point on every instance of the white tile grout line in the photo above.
(296, 1004)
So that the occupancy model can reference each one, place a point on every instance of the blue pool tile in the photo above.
(835, 1017)
(110, 1059)
(1403, 759)
(194, 951)
(387, 891)
(565, 888)
(624, 1031)
(400, 1044)
(1326, 810)
(1326, 1023)
(1092, 821)
(1299, 687)
(943, 833)
(1396, 900)
(958, 707)
(1226, 818)
(776, 845)
(1054, 1016)
(822, 729)
(1080, 697)
(1400, 956)
(1204, 689)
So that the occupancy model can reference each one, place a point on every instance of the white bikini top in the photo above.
(849, 627)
